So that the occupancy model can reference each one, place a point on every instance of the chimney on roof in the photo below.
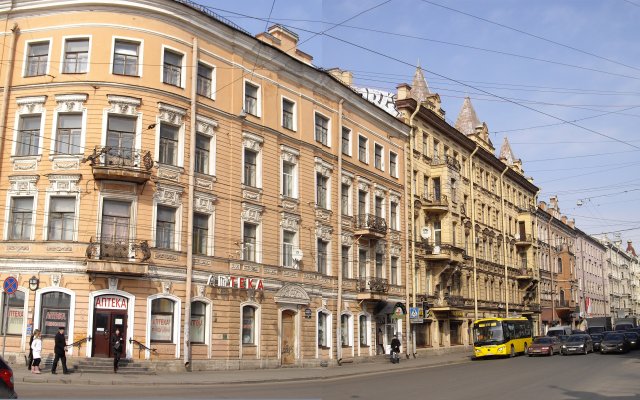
(553, 202)
(630, 248)
(285, 40)
(572, 223)
(542, 205)
(404, 91)
(564, 219)
(344, 76)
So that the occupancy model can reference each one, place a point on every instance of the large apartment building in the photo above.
(592, 276)
(210, 193)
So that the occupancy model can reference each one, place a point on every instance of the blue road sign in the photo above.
(10, 285)
(413, 312)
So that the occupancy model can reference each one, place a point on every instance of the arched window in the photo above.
(345, 330)
(162, 320)
(198, 322)
(323, 330)
(363, 327)
(54, 311)
(248, 325)
(15, 313)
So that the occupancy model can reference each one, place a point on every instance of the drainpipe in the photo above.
(192, 151)
(473, 237)
(504, 243)
(15, 31)
(410, 348)
(339, 241)
(535, 231)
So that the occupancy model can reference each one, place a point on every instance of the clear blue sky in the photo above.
(564, 160)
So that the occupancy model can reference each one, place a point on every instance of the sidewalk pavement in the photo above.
(289, 374)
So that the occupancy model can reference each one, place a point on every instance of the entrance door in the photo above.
(105, 323)
(288, 337)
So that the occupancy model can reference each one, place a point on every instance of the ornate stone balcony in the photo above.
(372, 288)
(120, 164)
(524, 240)
(118, 256)
(437, 204)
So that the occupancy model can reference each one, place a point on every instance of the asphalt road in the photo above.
(580, 377)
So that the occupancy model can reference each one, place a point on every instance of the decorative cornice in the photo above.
(171, 114)
(289, 222)
(206, 125)
(251, 213)
(168, 195)
(289, 154)
(23, 184)
(204, 202)
(251, 141)
(123, 104)
(323, 167)
(64, 183)
(31, 104)
(71, 102)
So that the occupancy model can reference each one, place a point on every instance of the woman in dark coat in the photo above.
(117, 343)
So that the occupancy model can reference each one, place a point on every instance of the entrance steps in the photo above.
(101, 365)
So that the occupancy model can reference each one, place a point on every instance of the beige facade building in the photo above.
(592, 276)
(210, 193)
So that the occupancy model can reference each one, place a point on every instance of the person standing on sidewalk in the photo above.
(117, 343)
(58, 350)
(395, 349)
(30, 357)
(36, 351)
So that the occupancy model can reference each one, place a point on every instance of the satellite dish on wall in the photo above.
(436, 250)
(517, 236)
(297, 255)
(425, 232)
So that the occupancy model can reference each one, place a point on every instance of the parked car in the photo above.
(577, 344)
(7, 389)
(632, 337)
(614, 343)
(544, 345)
(624, 326)
(563, 338)
(559, 330)
(597, 340)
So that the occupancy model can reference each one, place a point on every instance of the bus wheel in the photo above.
(513, 352)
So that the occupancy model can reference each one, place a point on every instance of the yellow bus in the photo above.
(501, 336)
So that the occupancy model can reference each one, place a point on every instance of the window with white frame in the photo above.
(288, 243)
(288, 114)
(345, 199)
(394, 216)
(345, 330)
(250, 167)
(379, 207)
(379, 265)
(363, 258)
(252, 99)
(321, 129)
(62, 215)
(378, 161)
(323, 330)
(21, 218)
(346, 141)
(249, 325)
(14, 315)
(346, 263)
(76, 56)
(126, 57)
(202, 156)
(362, 203)
(28, 140)
(363, 327)
(249, 241)
(37, 58)
(394, 270)
(321, 190)
(322, 256)
(121, 132)
(162, 320)
(69, 134)
(169, 144)
(172, 68)
(363, 143)
(205, 80)
(54, 313)
(288, 179)
(393, 164)
(166, 227)
(197, 331)
(200, 233)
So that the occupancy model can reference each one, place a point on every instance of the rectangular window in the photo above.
(37, 59)
(322, 256)
(287, 248)
(344, 199)
(362, 202)
(162, 320)
(322, 129)
(21, 218)
(120, 139)
(379, 265)
(203, 148)
(28, 142)
(321, 191)
(198, 322)
(250, 167)
(15, 313)
(437, 233)
(379, 201)
(249, 240)
(168, 144)
(394, 270)
(172, 68)
(425, 186)
(115, 230)
(436, 189)
(362, 263)
(322, 330)
(364, 331)
(345, 261)
(205, 80)
(346, 141)
(200, 234)
(251, 93)
(436, 151)
(362, 149)
(248, 325)
(393, 164)
(425, 145)
(76, 56)
(394, 216)
(344, 330)
(288, 185)
(62, 212)
(68, 134)
(165, 227)
(288, 113)
(377, 152)
(126, 58)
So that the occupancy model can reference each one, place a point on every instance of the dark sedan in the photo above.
(614, 343)
(544, 346)
(632, 337)
(596, 339)
(577, 344)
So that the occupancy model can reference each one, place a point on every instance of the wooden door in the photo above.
(288, 337)
(101, 334)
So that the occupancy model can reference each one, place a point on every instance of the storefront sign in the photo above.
(161, 327)
(230, 281)
(53, 319)
(111, 303)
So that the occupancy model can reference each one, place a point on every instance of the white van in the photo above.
(559, 330)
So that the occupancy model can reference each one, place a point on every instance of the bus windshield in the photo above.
(489, 332)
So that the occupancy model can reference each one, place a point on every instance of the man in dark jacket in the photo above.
(395, 349)
(58, 350)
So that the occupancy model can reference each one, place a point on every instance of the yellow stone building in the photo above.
(211, 193)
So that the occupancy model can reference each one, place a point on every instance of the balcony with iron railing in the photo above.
(372, 288)
(370, 226)
(448, 161)
(120, 164)
(440, 251)
(118, 256)
(565, 304)
(435, 203)
(524, 239)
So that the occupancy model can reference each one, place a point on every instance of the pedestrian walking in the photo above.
(36, 351)
(117, 343)
(395, 350)
(58, 350)
(30, 357)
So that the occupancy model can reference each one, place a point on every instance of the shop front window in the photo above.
(198, 322)
(162, 320)
(54, 312)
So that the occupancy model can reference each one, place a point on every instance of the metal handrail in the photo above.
(122, 157)
(117, 249)
(373, 285)
(372, 222)
(78, 343)
(142, 347)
